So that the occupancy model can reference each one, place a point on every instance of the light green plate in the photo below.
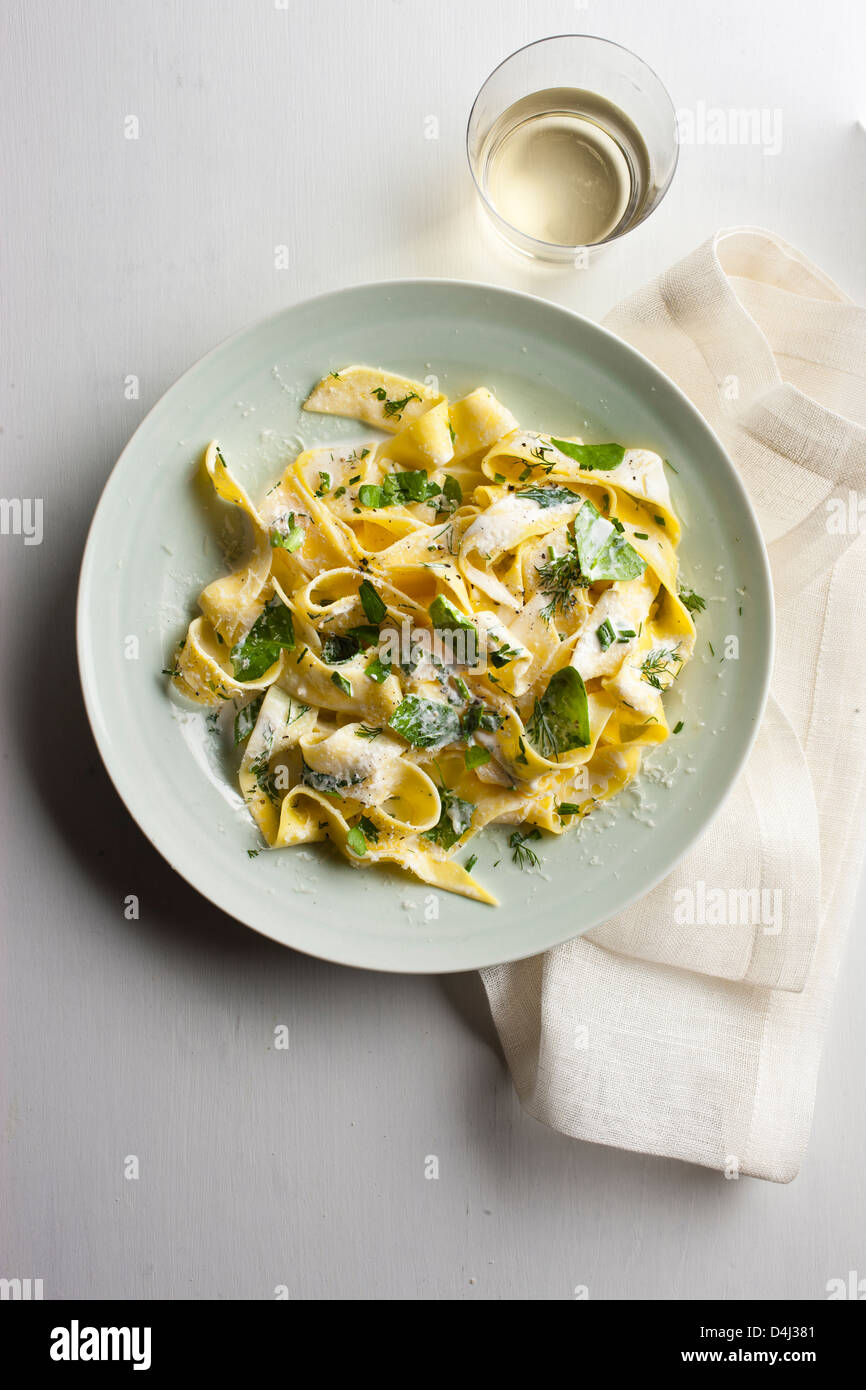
(153, 546)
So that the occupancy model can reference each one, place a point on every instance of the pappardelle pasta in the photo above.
(466, 623)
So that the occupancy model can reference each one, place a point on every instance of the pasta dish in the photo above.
(466, 623)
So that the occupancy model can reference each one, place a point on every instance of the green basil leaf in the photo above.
(425, 723)
(601, 457)
(341, 683)
(271, 633)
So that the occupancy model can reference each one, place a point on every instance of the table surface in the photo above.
(303, 123)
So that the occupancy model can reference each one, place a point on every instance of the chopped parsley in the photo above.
(393, 409)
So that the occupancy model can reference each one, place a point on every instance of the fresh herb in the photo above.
(603, 551)
(452, 491)
(405, 489)
(324, 484)
(478, 716)
(290, 539)
(271, 633)
(341, 683)
(660, 662)
(600, 457)
(373, 606)
(326, 782)
(365, 634)
(470, 863)
(371, 834)
(378, 670)
(568, 808)
(679, 726)
(446, 617)
(641, 536)
(521, 854)
(245, 719)
(690, 600)
(356, 842)
(454, 818)
(393, 409)
(560, 718)
(548, 495)
(500, 656)
(425, 723)
(339, 647)
(607, 634)
(363, 731)
(253, 853)
(476, 756)
(560, 577)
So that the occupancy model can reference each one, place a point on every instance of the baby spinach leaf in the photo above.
(560, 719)
(373, 606)
(548, 495)
(445, 616)
(603, 550)
(378, 670)
(601, 457)
(454, 818)
(337, 648)
(271, 633)
(425, 723)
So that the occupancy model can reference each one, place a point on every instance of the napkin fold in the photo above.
(703, 1042)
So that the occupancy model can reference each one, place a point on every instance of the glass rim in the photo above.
(559, 246)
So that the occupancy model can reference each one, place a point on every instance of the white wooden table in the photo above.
(303, 124)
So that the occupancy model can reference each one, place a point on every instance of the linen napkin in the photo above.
(703, 1042)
